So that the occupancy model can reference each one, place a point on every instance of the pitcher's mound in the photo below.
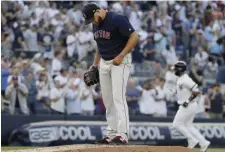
(110, 148)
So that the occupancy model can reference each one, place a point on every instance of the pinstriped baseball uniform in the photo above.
(184, 117)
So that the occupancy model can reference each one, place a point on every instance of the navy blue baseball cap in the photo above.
(89, 11)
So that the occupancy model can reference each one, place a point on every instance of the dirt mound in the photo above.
(108, 148)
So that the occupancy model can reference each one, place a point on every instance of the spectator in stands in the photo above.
(216, 49)
(170, 84)
(57, 98)
(209, 35)
(137, 56)
(201, 58)
(15, 72)
(43, 88)
(146, 102)
(34, 21)
(17, 94)
(31, 38)
(4, 76)
(71, 44)
(87, 101)
(25, 70)
(212, 65)
(56, 64)
(176, 25)
(170, 55)
(204, 105)
(85, 42)
(63, 78)
(47, 41)
(31, 86)
(18, 43)
(52, 10)
(135, 17)
(198, 41)
(46, 64)
(133, 96)
(10, 11)
(76, 15)
(6, 40)
(169, 32)
(217, 101)
(159, 96)
(160, 44)
(73, 98)
(149, 49)
(196, 74)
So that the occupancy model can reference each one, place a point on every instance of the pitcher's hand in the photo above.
(118, 60)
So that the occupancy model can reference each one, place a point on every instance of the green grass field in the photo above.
(21, 148)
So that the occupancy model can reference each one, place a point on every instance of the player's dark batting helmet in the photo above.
(180, 67)
(89, 11)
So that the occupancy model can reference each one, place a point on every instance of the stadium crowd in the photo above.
(45, 49)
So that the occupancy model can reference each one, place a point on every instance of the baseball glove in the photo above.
(91, 76)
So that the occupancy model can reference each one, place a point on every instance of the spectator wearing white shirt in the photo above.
(212, 66)
(15, 72)
(167, 28)
(201, 58)
(86, 43)
(170, 84)
(41, 9)
(30, 36)
(135, 17)
(57, 23)
(203, 104)
(103, 4)
(71, 44)
(75, 15)
(43, 88)
(117, 7)
(34, 20)
(170, 55)
(52, 11)
(73, 98)
(57, 99)
(147, 102)
(17, 94)
(56, 64)
(87, 101)
(63, 78)
(159, 96)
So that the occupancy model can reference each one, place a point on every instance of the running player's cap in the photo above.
(89, 11)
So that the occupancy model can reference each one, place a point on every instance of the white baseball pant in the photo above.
(113, 81)
(183, 122)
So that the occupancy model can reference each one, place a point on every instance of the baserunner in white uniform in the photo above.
(188, 95)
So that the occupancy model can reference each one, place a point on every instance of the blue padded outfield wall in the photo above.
(55, 130)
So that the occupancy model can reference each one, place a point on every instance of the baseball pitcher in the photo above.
(188, 96)
(115, 39)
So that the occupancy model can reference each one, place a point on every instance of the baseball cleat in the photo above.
(204, 148)
(105, 140)
(192, 144)
(118, 140)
